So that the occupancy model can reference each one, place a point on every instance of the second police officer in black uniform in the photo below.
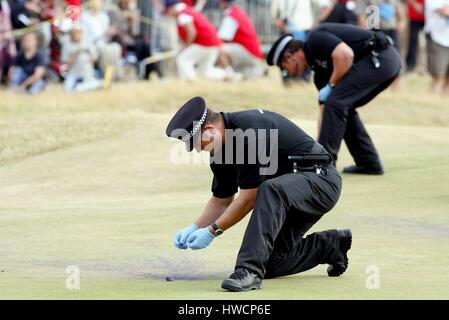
(250, 151)
(352, 66)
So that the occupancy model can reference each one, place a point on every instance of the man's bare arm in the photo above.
(190, 30)
(11, 72)
(444, 11)
(213, 210)
(320, 121)
(401, 18)
(38, 74)
(238, 209)
(324, 12)
(342, 60)
(361, 21)
(200, 5)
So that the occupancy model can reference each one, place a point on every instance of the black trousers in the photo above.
(286, 208)
(360, 85)
(413, 42)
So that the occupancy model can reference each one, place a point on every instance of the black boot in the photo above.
(339, 266)
(242, 280)
(375, 169)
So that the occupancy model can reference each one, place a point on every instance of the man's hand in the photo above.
(200, 239)
(342, 60)
(37, 75)
(181, 236)
(23, 87)
(280, 24)
(324, 93)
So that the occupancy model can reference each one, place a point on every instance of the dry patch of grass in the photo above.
(21, 137)
(55, 120)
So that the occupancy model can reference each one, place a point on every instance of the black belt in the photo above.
(315, 161)
(379, 41)
(319, 169)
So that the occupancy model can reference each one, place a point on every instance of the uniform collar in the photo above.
(307, 53)
(227, 120)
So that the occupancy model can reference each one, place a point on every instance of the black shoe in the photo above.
(374, 170)
(338, 267)
(242, 280)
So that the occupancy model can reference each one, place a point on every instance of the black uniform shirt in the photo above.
(246, 174)
(322, 40)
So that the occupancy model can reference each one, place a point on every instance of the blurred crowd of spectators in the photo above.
(87, 45)
(70, 42)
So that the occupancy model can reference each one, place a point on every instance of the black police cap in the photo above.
(274, 57)
(187, 123)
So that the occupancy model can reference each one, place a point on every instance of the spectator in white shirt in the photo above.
(80, 56)
(97, 30)
(437, 29)
(293, 16)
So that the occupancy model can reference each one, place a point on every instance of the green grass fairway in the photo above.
(86, 181)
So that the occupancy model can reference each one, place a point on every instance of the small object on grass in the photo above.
(169, 278)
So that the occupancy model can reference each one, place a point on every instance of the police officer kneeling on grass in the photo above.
(352, 66)
(284, 176)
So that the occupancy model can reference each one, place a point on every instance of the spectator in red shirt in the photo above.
(200, 42)
(415, 9)
(241, 50)
(76, 3)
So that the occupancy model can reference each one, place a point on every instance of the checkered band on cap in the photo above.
(281, 48)
(196, 128)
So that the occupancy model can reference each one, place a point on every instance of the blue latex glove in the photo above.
(324, 93)
(200, 239)
(387, 12)
(181, 236)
